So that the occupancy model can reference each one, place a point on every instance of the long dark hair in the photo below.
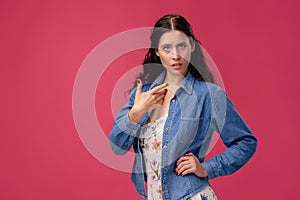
(152, 65)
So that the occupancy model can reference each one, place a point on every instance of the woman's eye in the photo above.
(181, 46)
(166, 48)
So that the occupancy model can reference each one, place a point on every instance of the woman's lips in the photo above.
(176, 66)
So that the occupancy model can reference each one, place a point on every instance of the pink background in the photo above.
(255, 45)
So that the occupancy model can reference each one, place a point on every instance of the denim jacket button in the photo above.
(164, 180)
(167, 129)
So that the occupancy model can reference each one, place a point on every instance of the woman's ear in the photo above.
(193, 46)
(156, 52)
(192, 42)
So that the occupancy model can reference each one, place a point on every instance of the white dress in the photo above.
(151, 144)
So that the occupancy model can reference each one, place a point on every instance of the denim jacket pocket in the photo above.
(187, 130)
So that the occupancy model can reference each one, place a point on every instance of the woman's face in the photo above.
(174, 50)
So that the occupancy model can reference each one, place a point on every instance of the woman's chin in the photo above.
(178, 71)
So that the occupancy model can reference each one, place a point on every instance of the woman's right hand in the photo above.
(146, 101)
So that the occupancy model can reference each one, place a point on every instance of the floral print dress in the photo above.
(151, 144)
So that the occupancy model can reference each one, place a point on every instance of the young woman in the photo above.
(171, 115)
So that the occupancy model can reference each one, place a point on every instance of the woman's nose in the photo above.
(175, 54)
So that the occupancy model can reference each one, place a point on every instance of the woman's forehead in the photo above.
(173, 37)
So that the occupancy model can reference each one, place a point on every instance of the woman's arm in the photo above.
(235, 134)
(124, 130)
(127, 122)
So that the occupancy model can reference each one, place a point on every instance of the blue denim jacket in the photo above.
(197, 110)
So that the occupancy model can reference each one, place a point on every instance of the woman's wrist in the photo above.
(135, 116)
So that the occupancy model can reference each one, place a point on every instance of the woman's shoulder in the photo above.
(207, 87)
(147, 86)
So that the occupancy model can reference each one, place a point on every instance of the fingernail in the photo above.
(166, 84)
(138, 81)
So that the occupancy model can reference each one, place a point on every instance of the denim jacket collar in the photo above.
(186, 84)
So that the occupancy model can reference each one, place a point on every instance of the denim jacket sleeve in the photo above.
(124, 131)
(235, 134)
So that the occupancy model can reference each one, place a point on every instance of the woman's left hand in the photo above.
(189, 163)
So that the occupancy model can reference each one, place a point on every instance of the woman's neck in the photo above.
(174, 81)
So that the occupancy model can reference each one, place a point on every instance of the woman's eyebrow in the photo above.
(165, 44)
(168, 44)
(184, 42)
